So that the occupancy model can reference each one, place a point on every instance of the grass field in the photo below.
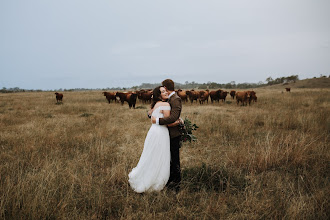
(270, 160)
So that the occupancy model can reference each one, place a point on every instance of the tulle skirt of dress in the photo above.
(153, 169)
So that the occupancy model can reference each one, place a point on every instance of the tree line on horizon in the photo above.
(186, 85)
(230, 85)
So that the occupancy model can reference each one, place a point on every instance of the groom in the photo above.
(175, 102)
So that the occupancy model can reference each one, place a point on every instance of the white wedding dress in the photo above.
(153, 169)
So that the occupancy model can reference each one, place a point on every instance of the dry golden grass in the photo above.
(269, 160)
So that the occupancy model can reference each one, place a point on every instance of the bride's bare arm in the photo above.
(166, 113)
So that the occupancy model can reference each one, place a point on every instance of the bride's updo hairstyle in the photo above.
(156, 96)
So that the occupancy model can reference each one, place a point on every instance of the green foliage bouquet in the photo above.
(186, 129)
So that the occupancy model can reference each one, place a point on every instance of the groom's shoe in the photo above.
(173, 186)
(170, 185)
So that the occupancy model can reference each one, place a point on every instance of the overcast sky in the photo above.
(106, 43)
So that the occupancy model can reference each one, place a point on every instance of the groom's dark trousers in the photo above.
(175, 171)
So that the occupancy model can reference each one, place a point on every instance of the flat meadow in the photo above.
(270, 160)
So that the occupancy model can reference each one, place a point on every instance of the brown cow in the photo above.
(204, 96)
(252, 96)
(59, 97)
(130, 98)
(242, 97)
(193, 95)
(110, 96)
(232, 93)
(144, 95)
(182, 94)
(223, 95)
(288, 89)
(139, 94)
(215, 95)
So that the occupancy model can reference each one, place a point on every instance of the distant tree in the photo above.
(292, 78)
(213, 85)
(269, 80)
(203, 86)
(228, 86)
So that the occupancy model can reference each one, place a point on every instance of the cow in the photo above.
(232, 93)
(204, 96)
(59, 97)
(192, 95)
(110, 96)
(182, 94)
(139, 94)
(242, 97)
(288, 89)
(132, 100)
(215, 95)
(144, 95)
(252, 96)
(128, 97)
(223, 95)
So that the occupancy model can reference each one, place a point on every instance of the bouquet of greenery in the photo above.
(186, 129)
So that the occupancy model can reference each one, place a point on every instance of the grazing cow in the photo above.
(204, 96)
(252, 96)
(139, 94)
(182, 94)
(232, 93)
(130, 98)
(144, 95)
(242, 97)
(223, 95)
(110, 96)
(193, 95)
(288, 89)
(59, 97)
(215, 95)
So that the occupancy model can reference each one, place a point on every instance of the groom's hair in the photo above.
(169, 84)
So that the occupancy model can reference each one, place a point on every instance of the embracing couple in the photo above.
(159, 164)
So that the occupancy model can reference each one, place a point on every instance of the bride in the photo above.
(153, 169)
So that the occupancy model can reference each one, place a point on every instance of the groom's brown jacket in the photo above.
(176, 106)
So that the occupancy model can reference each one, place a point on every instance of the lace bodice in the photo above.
(156, 113)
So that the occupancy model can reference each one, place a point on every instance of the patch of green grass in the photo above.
(86, 114)
(141, 107)
(49, 115)
(213, 179)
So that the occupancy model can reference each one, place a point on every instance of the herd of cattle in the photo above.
(201, 96)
